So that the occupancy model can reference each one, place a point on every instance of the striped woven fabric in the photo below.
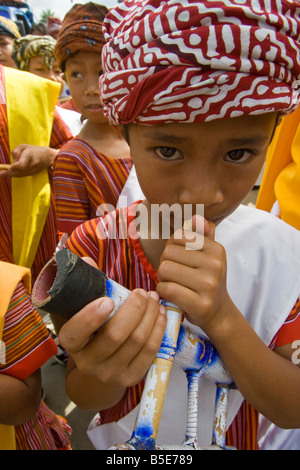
(49, 239)
(27, 341)
(286, 334)
(107, 242)
(47, 431)
(27, 345)
(83, 180)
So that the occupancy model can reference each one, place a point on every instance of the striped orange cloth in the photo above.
(28, 345)
(49, 239)
(27, 341)
(83, 180)
(123, 260)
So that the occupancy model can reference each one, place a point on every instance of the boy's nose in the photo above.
(92, 88)
(201, 187)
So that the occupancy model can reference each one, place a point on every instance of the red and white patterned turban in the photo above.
(189, 60)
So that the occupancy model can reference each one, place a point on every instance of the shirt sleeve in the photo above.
(26, 343)
(290, 330)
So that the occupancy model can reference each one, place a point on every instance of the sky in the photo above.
(61, 7)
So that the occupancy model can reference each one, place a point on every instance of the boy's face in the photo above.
(6, 46)
(212, 163)
(82, 72)
(37, 67)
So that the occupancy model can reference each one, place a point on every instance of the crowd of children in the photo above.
(189, 95)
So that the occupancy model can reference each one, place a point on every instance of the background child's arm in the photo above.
(30, 160)
(19, 399)
(103, 364)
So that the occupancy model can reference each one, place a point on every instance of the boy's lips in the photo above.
(94, 107)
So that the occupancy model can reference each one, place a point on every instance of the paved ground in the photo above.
(57, 400)
(53, 375)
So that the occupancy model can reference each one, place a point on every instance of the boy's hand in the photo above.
(195, 279)
(122, 350)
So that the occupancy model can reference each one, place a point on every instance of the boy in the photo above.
(35, 54)
(8, 33)
(92, 168)
(199, 88)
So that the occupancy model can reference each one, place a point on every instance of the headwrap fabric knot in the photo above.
(9, 28)
(81, 31)
(189, 60)
(30, 46)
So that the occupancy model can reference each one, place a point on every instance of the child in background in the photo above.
(8, 33)
(92, 168)
(25, 346)
(59, 135)
(35, 54)
(199, 87)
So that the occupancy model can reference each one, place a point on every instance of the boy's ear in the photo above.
(277, 122)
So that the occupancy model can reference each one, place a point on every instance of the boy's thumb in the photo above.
(203, 226)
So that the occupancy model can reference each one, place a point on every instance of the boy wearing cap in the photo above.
(199, 88)
(8, 33)
(92, 168)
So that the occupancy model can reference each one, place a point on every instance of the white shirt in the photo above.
(263, 277)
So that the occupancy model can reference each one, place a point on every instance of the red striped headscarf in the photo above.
(189, 60)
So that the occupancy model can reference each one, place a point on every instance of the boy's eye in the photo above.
(239, 155)
(76, 74)
(168, 153)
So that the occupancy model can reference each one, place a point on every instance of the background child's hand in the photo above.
(29, 160)
(195, 279)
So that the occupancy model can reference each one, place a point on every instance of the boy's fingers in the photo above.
(146, 355)
(203, 226)
(123, 324)
(194, 233)
(144, 334)
(77, 332)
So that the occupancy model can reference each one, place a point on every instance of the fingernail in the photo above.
(154, 295)
(142, 292)
(198, 223)
(187, 225)
(105, 305)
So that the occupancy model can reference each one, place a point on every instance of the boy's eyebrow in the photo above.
(235, 142)
(255, 140)
(74, 60)
(162, 136)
